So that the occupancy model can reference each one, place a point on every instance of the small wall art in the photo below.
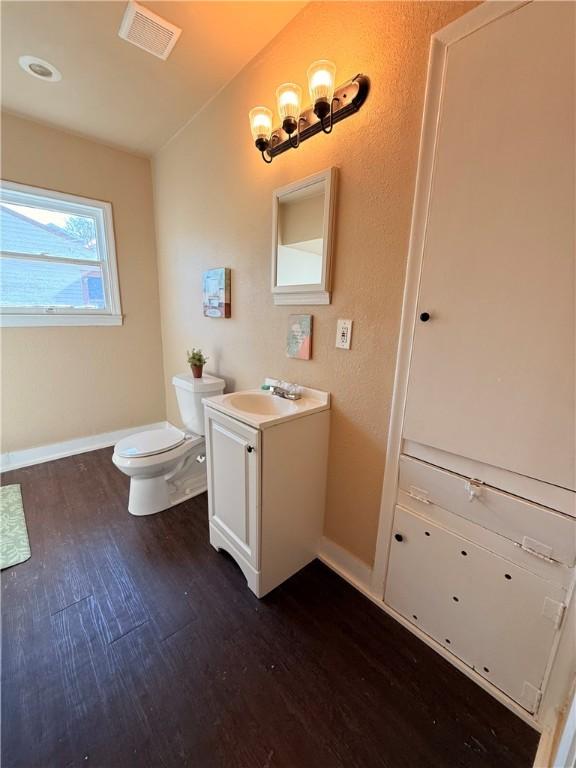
(299, 341)
(216, 293)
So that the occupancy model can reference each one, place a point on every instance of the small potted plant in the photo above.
(196, 361)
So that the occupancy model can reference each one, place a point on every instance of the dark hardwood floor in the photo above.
(130, 642)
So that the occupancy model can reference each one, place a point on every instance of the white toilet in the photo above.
(167, 466)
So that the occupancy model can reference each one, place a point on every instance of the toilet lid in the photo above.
(149, 443)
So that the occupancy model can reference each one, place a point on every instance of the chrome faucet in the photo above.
(285, 390)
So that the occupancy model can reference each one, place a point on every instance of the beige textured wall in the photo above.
(64, 382)
(213, 208)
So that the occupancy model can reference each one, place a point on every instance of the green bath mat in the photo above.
(14, 544)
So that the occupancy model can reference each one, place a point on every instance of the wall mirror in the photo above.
(302, 235)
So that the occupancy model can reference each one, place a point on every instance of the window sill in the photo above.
(37, 320)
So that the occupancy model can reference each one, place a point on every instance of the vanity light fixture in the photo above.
(329, 106)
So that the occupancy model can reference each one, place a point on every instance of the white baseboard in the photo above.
(350, 567)
(40, 454)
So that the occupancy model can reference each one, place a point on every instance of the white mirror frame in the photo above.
(318, 293)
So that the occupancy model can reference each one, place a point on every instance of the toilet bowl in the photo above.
(167, 466)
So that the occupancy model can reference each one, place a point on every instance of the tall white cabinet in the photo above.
(492, 374)
(477, 539)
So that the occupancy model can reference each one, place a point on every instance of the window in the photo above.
(57, 259)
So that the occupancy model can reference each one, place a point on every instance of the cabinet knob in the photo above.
(398, 537)
(250, 448)
(425, 316)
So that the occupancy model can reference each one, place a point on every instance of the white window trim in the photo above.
(12, 317)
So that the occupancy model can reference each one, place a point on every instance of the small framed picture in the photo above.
(216, 293)
(299, 340)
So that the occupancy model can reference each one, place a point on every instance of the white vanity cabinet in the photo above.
(267, 485)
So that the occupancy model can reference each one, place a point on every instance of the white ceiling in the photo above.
(115, 92)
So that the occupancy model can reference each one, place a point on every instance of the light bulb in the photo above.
(261, 123)
(289, 99)
(321, 79)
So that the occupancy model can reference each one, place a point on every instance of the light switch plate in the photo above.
(344, 334)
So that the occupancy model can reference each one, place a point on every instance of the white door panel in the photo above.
(544, 531)
(492, 371)
(497, 617)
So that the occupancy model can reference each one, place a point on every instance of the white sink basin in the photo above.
(262, 409)
(261, 404)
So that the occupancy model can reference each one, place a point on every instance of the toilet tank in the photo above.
(190, 393)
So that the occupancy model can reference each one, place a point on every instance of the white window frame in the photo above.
(101, 212)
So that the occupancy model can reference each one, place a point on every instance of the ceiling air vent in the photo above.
(148, 31)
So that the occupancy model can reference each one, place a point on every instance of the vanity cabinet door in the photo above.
(233, 458)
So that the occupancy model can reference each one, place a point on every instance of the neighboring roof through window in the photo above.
(57, 259)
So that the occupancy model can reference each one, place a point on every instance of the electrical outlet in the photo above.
(344, 334)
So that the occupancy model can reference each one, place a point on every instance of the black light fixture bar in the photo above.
(348, 99)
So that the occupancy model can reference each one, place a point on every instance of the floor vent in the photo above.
(148, 31)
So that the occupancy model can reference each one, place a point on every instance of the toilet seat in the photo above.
(158, 464)
(150, 443)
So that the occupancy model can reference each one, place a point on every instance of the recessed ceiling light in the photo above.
(40, 68)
